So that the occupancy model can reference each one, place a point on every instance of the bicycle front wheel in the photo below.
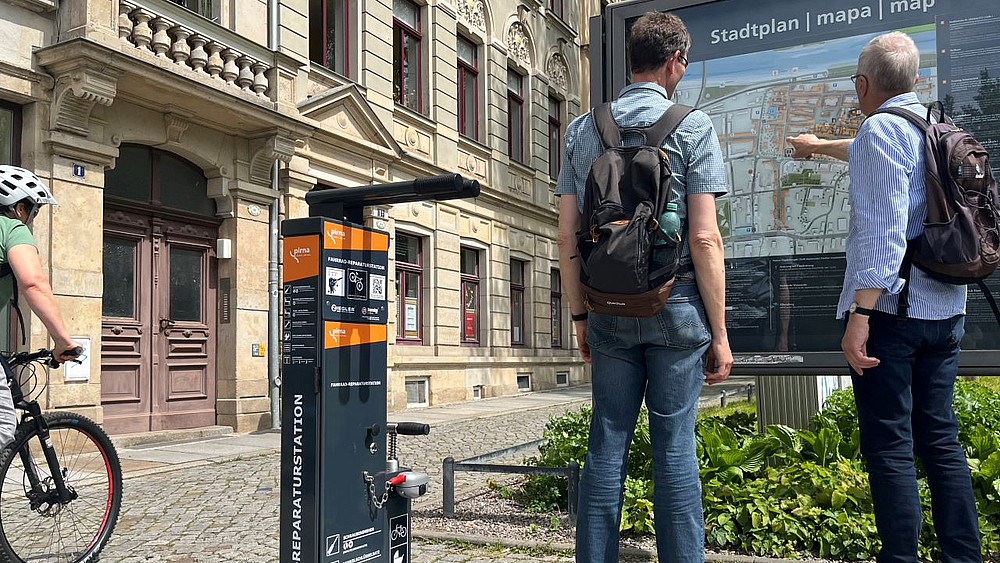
(35, 525)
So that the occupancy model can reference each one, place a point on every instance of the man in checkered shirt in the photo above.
(666, 358)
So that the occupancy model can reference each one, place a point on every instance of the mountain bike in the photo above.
(61, 477)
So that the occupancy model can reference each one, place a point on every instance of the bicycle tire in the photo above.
(27, 434)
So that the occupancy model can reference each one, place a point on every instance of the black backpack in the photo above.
(628, 188)
(960, 244)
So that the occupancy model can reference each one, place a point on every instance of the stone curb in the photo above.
(162, 437)
(567, 547)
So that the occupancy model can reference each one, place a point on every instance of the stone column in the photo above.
(243, 400)
(70, 235)
(69, 238)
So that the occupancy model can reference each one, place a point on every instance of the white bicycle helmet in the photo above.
(18, 184)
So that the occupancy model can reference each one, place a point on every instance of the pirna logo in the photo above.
(335, 233)
(336, 334)
(300, 252)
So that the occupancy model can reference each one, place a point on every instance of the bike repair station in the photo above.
(344, 496)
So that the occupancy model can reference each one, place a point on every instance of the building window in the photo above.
(406, 54)
(562, 379)
(470, 295)
(555, 136)
(557, 340)
(517, 302)
(515, 115)
(10, 134)
(409, 289)
(329, 36)
(524, 382)
(477, 392)
(204, 8)
(468, 89)
(556, 7)
(416, 392)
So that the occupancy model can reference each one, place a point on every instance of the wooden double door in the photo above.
(158, 336)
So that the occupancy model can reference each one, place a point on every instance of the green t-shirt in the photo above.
(12, 233)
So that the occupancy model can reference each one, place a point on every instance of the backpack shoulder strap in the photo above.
(906, 114)
(607, 127)
(6, 270)
(990, 299)
(657, 133)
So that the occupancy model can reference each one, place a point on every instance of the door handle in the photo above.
(166, 323)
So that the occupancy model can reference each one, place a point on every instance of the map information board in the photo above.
(765, 70)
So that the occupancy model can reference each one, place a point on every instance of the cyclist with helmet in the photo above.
(22, 195)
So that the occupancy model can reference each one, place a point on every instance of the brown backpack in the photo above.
(960, 244)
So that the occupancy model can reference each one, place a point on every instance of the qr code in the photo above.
(377, 288)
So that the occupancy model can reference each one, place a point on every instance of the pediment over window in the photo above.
(343, 112)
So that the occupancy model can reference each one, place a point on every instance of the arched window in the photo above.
(159, 179)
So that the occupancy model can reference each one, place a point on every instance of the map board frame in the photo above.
(608, 75)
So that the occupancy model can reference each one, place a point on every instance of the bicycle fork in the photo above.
(63, 494)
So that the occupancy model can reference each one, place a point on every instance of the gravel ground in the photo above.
(484, 512)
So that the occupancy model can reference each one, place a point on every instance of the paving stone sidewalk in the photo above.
(216, 500)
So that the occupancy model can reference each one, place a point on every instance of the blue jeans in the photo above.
(658, 359)
(905, 408)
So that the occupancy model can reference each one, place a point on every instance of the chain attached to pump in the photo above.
(373, 497)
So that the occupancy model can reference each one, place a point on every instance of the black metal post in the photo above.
(722, 399)
(573, 490)
(448, 486)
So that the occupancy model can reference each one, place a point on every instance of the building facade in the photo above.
(158, 123)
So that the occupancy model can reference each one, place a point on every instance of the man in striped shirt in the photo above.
(904, 371)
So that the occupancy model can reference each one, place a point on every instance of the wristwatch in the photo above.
(856, 309)
(581, 317)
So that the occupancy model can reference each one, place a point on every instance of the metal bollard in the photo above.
(448, 486)
(722, 399)
(573, 490)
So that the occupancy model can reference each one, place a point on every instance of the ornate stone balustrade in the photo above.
(195, 45)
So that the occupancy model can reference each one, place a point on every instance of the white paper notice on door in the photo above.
(79, 372)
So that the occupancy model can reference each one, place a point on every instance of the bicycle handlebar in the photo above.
(408, 428)
(46, 356)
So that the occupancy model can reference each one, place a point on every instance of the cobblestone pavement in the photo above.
(229, 511)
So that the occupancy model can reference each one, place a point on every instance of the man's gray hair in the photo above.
(890, 62)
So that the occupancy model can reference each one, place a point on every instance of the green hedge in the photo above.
(783, 492)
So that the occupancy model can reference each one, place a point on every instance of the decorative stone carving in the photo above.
(230, 72)
(558, 71)
(518, 44)
(280, 146)
(473, 12)
(175, 125)
(194, 51)
(199, 57)
(125, 9)
(180, 50)
(76, 94)
(161, 39)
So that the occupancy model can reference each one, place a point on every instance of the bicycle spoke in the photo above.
(59, 533)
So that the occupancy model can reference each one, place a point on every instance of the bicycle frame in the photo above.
(33, 415)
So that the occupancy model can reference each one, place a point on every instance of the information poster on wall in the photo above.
(765, 70)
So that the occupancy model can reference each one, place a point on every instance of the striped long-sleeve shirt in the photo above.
(888, 207)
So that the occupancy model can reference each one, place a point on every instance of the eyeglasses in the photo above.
(682, 59)
(854, 78)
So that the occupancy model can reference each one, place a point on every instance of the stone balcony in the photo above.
(196, 47)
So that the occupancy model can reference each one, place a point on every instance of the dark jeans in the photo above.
(905, 408)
